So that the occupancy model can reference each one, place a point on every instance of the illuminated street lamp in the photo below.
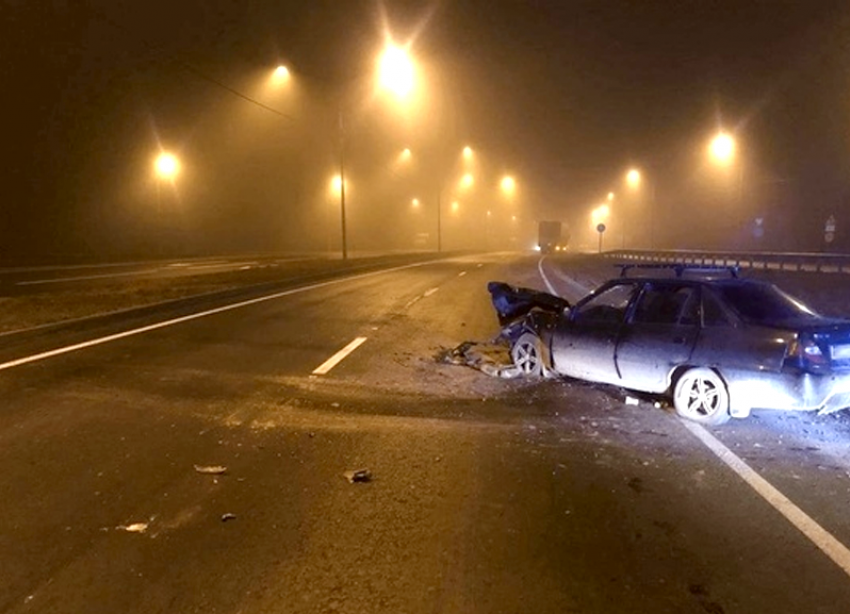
(610, 196)
(467, 153)
(415, 203)
(336, 184)
(467, 181)
(167, 166)
(633, 178)
(508, 185)
(396, 71)
(281, 73)
(722, 149)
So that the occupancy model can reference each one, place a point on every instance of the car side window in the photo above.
(666, 304)
(712, 312)
(607, 307)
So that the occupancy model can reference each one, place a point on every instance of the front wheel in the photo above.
(527, 354)
(700, 395)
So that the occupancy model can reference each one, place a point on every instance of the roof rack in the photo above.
(679, 269)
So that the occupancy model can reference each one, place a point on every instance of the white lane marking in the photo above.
(337, 358)
(429, 292)
(201, 314)
(545, 279)
(578, 288)
(59, 280)
(461, 274)
(195, 267)
(821, 538)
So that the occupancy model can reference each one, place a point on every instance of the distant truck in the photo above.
(550, 238)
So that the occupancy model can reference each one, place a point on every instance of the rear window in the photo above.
(763, 302)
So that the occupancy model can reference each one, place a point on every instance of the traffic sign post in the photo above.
(600, 228)
(829, 229)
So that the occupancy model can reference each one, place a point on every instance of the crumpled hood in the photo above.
(513, 302)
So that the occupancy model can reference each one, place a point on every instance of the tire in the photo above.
(700, 395)
(527, 354)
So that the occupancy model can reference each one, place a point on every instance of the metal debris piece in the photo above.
(358, 475)
(228, 516)
(211, 469)
(136, 527)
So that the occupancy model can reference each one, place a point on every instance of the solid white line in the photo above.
(202, 314)
(337, 358)
(59, 280)
(545, 279)
(821, 538)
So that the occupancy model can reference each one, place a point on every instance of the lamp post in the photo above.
(166, 168)
(396, 73)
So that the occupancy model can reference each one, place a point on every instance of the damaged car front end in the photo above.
(527, 318)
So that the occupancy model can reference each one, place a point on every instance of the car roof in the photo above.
(707, 281)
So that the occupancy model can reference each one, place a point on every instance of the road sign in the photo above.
(600, 228)
(829, 229)
(830, 224)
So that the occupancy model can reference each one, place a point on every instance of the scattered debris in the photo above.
(632, 401)
(492, 358)
(228, 516)
(211, 469)
(136, 527)
(358, 475)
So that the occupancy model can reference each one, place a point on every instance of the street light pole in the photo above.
(439, 222)
(342, 184)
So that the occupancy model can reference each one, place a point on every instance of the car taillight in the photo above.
(804, 353)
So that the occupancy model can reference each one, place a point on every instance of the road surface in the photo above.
(486, 495)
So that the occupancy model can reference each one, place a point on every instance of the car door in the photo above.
(583, 344)
(658, 336)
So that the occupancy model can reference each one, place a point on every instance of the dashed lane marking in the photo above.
(337, 358)
(201, 314)
(429, 292)
(461, 274)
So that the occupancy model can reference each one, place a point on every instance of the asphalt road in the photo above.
(487, 495)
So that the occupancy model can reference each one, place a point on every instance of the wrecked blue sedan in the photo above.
(720, 347)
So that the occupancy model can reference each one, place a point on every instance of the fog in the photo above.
(563, 99)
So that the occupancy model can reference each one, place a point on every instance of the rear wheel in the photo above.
(527, 354)
(700, 395)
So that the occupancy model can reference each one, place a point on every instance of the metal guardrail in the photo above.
(776, 261)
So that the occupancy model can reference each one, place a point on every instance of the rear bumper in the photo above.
(787, 390)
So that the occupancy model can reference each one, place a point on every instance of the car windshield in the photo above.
(763, 302)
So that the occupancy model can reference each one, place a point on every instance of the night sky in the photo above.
(566, 96)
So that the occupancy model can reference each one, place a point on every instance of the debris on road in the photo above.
(136, 527)
(228, 516)
(632, 401)
(492, 358)
(211, 469)
(359, 475)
